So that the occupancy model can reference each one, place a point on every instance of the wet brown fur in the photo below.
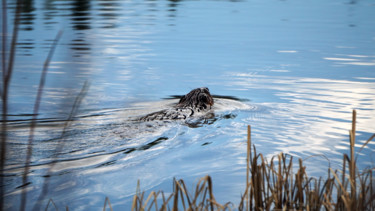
(196, 100)
(199, 98)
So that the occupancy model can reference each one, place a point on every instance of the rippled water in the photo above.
(294, 71)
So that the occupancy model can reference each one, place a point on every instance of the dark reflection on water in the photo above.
(81, 16)
(27, 15)
(293, 70)
(109, 12)
(80, 47)
(173, 8)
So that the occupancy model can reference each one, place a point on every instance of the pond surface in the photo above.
(294, 71)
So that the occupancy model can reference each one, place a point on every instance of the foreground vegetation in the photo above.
(269, 184)
(272, 185)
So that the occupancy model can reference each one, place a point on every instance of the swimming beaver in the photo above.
(196, 101)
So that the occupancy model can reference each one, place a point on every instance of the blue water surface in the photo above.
(299, 68)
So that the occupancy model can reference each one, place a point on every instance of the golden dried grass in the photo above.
(273, 186)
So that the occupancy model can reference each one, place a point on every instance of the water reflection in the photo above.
(27, 15)
(131, 54)
(358, 60)
(26, 46)
(316, 94)
(172, 8)
(81, 15)
(109, 11)
(80, 46)
(313, 113)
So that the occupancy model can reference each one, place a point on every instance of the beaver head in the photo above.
(199, 98)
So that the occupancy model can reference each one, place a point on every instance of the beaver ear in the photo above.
(182, 99)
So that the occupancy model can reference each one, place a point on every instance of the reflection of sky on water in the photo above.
(312, 115)
(303, 66)
(150, 42)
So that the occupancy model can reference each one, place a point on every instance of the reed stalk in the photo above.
(34, 119)
(273, 186)
(60, 146)
(7, 71)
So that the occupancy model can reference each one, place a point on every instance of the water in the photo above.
(298, 68)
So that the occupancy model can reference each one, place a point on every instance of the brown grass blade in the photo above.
(6, 78)
(107, 202)
(34, 119)
(50, 201)
(363, 146)
(248, 159)
(60, 146)
(273, 186)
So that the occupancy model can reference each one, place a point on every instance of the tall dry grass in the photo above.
(269, 184)
(7, 72)
(7, 69)
(273, 185)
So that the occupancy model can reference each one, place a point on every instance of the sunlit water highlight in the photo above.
(295, 70)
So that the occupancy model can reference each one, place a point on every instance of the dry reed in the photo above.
(7, 72)
(269, 185)
(38, 100)
(273, 186)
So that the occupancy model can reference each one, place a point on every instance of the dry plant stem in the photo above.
(203, 198)
(51, 202)
(7, 75)
(4, 37)
(363, 146)
(109, 204)
(248, 158)
(60, 146)
(352, 160)
(274, 186)
(33, 121)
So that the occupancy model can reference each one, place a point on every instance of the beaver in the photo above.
(197, 101)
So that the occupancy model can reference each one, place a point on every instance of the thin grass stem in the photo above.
(7, 75)
(60, 146)
(34, 119)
